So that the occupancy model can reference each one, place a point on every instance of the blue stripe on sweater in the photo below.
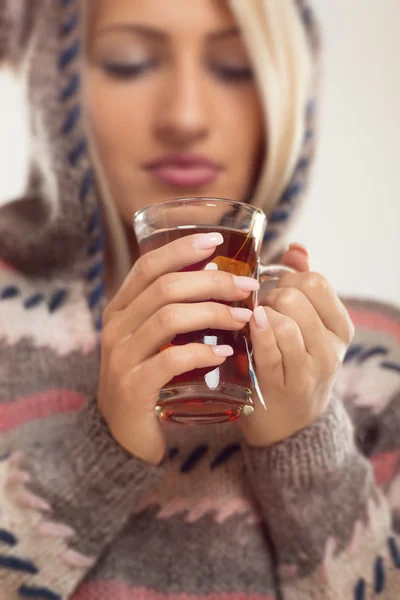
(69, 55)
(292, 192)
(70, 25)
(57, 300)
(302, 164)
(96, 246)
(9, 292)
(86, 185)
(353, 351)
(173, 452)
(95, 271)
(374, 351)
(27, 591)
(193, 458)
(278, 216)
(391, 366)
(360, 590)
(94, 221)
(99, 324)
(13, 563)
(270, 235)
(33, 301)
(96, 295)
(71, 88)
(394, 552)
(76, 154)
(71, 120)
(309, 134)
(6, 537)
(379, 575)
(225, 455)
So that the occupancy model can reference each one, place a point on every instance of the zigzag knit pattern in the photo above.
(79, 518)
(192, 505)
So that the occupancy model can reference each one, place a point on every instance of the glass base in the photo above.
(195, 405)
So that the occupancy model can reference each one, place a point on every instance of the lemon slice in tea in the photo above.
(231, 265)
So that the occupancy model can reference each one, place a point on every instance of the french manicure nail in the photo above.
(261, 319)
(246, 284)
(211, 267)
(222, 351)
(206, 241)
(300, 248)
(243, 315)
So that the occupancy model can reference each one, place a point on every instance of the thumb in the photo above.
(297, 257)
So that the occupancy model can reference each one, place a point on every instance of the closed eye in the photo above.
(128, 70)
(231, 73)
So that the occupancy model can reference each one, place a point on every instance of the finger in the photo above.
(175, 319)
(175, 256)
(297, 257)
(133, 421)
(267, 355)
(174, 288)
(289, 342)
(292, 303)
(325, 300)
(176, 360)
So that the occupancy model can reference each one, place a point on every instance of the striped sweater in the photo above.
(315, 516)
(312, 517)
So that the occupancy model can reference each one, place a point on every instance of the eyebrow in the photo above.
(160, 35)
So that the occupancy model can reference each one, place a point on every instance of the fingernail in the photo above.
(211, 267)
(243, 315)
(246, 284)
(222, 351)
(261, 319)
(206, 241)
(300, 248)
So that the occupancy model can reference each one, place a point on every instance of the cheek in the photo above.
(117, 129)
(251, 132)
(120, 136)
(246, 137)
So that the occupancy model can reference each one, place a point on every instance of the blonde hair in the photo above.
(277, 43)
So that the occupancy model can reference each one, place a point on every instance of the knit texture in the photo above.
(316, 516)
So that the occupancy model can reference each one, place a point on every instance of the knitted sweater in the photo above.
(315, 516)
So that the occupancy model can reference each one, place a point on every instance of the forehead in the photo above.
(176, 16)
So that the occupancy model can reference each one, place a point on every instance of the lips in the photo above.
(184, 170)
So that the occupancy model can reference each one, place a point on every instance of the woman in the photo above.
(98, 499)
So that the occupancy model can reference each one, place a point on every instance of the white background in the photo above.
(351, 221)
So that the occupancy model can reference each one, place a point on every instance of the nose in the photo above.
(182, 114)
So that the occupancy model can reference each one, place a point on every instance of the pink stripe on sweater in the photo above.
(110, 590)
(376, 321)
(38, 406)
(385, 466)
(6, 267)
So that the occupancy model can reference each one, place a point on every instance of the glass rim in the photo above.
(200, 199)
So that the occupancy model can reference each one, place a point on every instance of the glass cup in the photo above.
(211, 395)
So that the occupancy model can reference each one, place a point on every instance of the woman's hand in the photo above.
(154, 305)
(300, 335)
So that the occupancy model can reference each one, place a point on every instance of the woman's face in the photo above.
(172, 101)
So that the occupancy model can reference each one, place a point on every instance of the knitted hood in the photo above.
(51, 227)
